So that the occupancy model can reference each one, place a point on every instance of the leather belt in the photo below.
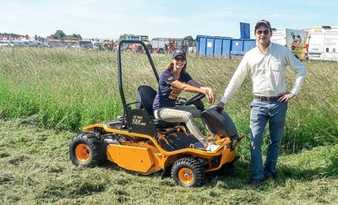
(263, 98)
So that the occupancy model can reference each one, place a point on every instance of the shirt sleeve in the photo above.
(167, 77)
(185, 77)
(300, 70)
(236, 80)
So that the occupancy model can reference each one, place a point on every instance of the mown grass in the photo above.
(35, 169)
(67, 89)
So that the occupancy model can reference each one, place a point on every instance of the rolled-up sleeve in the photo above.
(300, 70)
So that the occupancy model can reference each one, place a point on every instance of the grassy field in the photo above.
(48, 94)
(67, 89)
(34, 169)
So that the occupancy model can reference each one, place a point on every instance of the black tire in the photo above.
(188, 172)
(87, 151)
(227, 170)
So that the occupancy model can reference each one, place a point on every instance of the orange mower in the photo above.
(140, 143)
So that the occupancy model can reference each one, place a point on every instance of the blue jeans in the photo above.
(262, 112)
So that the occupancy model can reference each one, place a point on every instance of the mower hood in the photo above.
(219, 123)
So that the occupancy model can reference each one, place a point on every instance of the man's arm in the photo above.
(300, 70)
(236, 80)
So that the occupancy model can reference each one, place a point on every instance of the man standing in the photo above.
(266, 64)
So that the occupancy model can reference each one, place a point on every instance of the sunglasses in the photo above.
(180, 59)
(266, 32)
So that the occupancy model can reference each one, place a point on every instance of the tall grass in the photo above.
(62, 89)
(67, 89)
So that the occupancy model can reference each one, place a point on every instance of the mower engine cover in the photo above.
(219, 123)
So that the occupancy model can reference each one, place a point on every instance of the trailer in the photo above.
(159, 45)
(279, 36)
(87, 44)
(323, 43)
(168, 45)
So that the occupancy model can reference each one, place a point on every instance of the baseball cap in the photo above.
(264, 23)
(179, 52)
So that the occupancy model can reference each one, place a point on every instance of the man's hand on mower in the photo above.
(220, 106)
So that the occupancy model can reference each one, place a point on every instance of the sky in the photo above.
(159, 18)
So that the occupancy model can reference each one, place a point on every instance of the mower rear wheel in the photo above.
(188, 172)
(86, 150)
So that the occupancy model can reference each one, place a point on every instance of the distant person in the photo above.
(296, 42)
(266, 64)
(293, 43)
(296, 45)
(173, 81)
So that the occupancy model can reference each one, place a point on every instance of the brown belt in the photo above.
(263, 98)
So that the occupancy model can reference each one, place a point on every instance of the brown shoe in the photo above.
(269, 178)
(254, 183)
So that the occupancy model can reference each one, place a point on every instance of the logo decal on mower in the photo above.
(138, 120)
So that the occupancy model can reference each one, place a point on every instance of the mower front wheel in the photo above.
(86, 150)
(188, 172)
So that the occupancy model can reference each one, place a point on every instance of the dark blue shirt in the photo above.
(167, 95)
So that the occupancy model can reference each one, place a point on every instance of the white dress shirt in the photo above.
(267, 71)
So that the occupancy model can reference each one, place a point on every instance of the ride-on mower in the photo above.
(138, 142)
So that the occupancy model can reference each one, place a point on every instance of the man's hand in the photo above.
(220, 107)
(209, 93)
(286, 97)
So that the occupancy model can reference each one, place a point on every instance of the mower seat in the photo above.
(146, 96)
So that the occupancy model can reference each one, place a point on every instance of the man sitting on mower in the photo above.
(172, 82)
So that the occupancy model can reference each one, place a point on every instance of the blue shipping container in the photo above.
(237, 47)
(210, 47)
(201, 44)
(226, 47)
(218, 47)
(248, 44)
(240, 46)
(213, 46)
(245, 30)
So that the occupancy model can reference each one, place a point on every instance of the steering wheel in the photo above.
(195, 98)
